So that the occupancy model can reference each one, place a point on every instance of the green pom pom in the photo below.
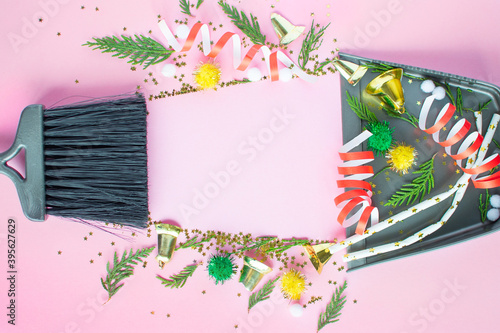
(221, 267)
(381, 140)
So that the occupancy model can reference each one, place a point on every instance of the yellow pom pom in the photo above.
(401, 157)
(207, 75)
(293, 284)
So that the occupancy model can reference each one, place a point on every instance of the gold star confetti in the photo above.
(396, 244)
(91, 261)
(425, 137)
(82, 7)
(444, 128)
(418, 102)
(59, 252)
(438, 200)
(450, 186)
(152, 312)
(417, 140)
(85, 238)
(390, 212)
(492, 126)
(203, 292)
(444, 155)
(239, 294)
(59, 34)
(168, 315)
(457, 171)
(235, 326)
(414, 210)
(96, 9)
(100, 254)
(401, 231)
(76, 81)
(372, 250)
(420, 235)
(145, 264)
(410, 81)
(444, 162)
(355, 301)
(390, 221)
(112, 243)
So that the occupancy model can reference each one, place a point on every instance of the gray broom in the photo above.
(85, 161)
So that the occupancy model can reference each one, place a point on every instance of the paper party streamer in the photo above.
(355, 172)
(470, 145)
(271, 58)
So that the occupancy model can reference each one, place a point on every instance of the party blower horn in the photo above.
(86, 161)
(319, 255)
(349, 70)
(167, 239)
(252, 272)
(387, 89)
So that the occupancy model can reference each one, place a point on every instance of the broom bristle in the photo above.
(96, 161)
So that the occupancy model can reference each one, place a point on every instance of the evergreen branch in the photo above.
(194, 243)
(140, 50)
(460, 101)
(405, 116)
(286, 244)
(185, 7)
(419, 186)
(480, 108)
(333, 308)
(122, 269)
(241, 21)
(262, 294)
(483, 206)
(198, 4)
(360, 109)
(312, 42)
(381, 67)
(178, 280)
(496, 143)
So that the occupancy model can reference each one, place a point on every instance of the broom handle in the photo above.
(31, 189)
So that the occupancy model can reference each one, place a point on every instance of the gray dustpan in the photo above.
(466, 222)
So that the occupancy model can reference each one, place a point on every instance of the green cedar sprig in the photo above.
(185, 7)
(480, 108)
(140, 50)
(262, 294)
(483, 205)
(405, 116)
(194, 242)
(178, 280)
(333, 308)
(312, 42)
(122, 269)
(360, 109)
(198, 4)
(381, 67)
(250, 27)
(419, 186)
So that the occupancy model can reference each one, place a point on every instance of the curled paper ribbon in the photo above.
(355, 174)
(271, 58)
(467, 149)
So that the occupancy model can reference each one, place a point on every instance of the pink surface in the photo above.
(285, 187)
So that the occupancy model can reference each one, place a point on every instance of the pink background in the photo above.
(286, 190)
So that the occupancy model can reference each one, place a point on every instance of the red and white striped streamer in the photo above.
(467, 149)
(271, 58)
(355, 172)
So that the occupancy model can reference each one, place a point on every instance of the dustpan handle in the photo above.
(31, 189)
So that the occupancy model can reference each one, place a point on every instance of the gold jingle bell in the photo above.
(167, 239)
(319, 255)
(349, 70)
(286, 31)
(252, 272)
(387, 89)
